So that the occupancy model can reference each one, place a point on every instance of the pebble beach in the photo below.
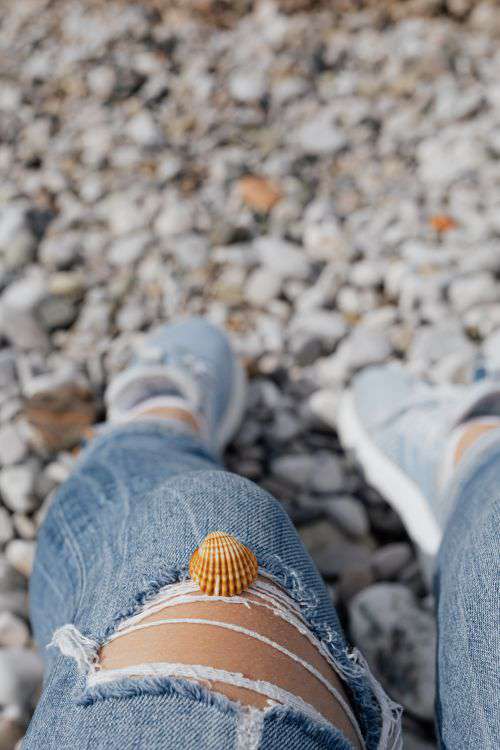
(325, 184)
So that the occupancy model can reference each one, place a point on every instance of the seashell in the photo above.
(222, 565)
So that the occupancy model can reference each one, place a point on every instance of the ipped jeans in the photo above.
(125, 525)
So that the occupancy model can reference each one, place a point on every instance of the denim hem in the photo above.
(164, 428)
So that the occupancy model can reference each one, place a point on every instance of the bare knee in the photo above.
(253, 648)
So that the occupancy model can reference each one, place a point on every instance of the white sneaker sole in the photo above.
(401, 492)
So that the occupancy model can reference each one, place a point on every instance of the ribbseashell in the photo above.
(222, 565)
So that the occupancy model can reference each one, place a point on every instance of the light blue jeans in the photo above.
(125, 524)
(468, 605)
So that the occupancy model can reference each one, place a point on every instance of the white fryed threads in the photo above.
(391, 733)
(273, 598)
(264, 593)
(249, 728)
(172, 591)
(262, 638)
(72, 643)
(202, 673)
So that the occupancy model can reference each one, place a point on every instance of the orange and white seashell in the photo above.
(222, 565)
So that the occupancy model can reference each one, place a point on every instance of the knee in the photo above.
(230, 492)
(221, 501)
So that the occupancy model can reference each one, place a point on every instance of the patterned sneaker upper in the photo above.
(411, 420)
(192, 363)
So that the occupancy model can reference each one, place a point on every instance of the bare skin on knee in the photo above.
(168, 413)
(472, 433)
(214, 646)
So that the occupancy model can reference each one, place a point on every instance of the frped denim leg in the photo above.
(123, 527)
(468, 593)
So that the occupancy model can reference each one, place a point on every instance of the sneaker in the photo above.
(188, 366)
(400, 428)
